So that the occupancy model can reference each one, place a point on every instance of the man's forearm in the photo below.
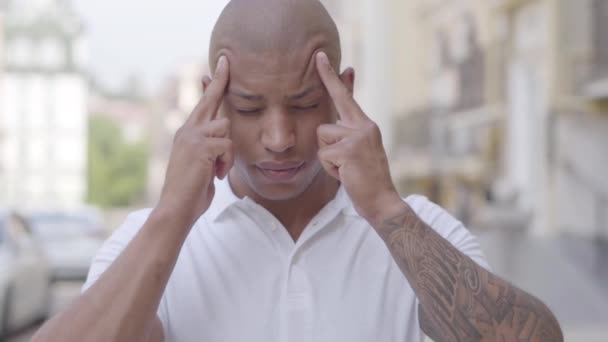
(121, 305)
(461, 301)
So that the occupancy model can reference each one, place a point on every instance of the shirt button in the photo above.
(274, 227)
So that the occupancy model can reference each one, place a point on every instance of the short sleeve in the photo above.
(113, 246)
(448, 227)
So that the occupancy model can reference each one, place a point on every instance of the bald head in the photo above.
(274, 28)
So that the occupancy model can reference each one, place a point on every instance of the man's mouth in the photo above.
(280, 171)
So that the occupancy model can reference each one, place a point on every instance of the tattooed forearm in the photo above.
(461, 301)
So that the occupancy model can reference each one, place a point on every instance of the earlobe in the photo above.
(348, 79)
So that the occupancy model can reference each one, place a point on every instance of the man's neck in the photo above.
(294, 213)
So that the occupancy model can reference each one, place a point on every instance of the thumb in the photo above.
(224, 163)
(329, 159)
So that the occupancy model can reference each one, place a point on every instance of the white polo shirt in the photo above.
(240, 276)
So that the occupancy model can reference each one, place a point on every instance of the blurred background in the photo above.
(495, 109)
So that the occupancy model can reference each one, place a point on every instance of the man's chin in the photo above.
(278, 192)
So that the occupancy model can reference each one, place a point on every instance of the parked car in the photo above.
(70, 240)
(24, 275)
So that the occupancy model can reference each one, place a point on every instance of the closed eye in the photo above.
(303, 108)
(248, 111)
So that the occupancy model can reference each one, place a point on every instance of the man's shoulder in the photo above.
(131, 224)
(424, 207)
(434, 215)
(416, 200)
(139, 214)
(135, 220)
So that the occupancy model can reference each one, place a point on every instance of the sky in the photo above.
(146, 38)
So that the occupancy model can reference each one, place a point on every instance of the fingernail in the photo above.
(322, 57)
(221, 63)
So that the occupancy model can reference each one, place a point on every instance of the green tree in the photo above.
(117, 171)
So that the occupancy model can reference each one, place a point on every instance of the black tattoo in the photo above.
(459, 300)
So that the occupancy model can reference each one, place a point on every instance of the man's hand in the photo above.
(352, 151)
(459, 300)
(201, 150)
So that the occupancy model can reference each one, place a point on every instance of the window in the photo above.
(51, 53)
(20, 52)
(472, 69)
(600, 32)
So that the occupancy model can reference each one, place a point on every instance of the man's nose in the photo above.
(279, 132)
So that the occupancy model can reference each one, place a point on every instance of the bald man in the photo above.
(278, 220)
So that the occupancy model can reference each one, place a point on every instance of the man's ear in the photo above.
(206, 82)
(348, 79)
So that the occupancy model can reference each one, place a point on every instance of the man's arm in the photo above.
(460, 300)
(121, 304)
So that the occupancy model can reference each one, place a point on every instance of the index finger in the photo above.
(348, 109)
(207, 107)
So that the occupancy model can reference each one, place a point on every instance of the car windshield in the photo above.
(58, 226)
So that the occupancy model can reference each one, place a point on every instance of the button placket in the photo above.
(298, 303)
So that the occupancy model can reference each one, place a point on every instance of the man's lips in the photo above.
(280, 171)
(279, 166)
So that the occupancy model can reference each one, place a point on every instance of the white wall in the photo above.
(528, 89)
(44, 149)
(582, 185)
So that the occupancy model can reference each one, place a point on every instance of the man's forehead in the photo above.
(254, 95)
(267, 27)
(295, 75)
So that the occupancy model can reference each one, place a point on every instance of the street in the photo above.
(568, 274)
(63, 294)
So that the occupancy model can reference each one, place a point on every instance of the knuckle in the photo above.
(205, 102)
(178, 134)
(350, 152)
(224, 123)
(321, 129)
(344, 92)
(322, 154)
(228, 145)
(372, 128)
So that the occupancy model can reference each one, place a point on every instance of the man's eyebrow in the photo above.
(303, 93)
(249, 97)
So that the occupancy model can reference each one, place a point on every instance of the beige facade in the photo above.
(1, 63)
(446, 112)
(511, 95)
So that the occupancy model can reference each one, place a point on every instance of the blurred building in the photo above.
(2, 11)
(366, 37)
(180, 94)
(447, 116)
(408, 84)
(43, 91)
(128, 110)
(579, 153)
(503, 104)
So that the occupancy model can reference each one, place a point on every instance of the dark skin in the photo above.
(280, 100)
(275, 101)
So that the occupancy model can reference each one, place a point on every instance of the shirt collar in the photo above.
(225, 198)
